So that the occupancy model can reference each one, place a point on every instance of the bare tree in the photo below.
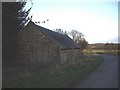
(73, 33)
(78, 37)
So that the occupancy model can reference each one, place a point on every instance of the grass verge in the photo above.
(62, 76)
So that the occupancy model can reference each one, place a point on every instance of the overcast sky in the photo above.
(96, 19)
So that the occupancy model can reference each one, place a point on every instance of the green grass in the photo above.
(101, 51)
(65, 75)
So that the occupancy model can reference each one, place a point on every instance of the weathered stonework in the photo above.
(36, 48)
(70, 54)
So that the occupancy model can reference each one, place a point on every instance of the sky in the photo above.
(96, 19)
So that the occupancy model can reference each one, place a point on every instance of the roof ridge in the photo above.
(62, 40)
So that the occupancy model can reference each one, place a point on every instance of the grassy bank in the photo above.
(66, 75)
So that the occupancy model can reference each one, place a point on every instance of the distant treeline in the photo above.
(105, 46)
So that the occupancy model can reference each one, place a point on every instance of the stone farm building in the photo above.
(41, 46)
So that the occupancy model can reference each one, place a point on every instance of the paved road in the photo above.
(105, 76)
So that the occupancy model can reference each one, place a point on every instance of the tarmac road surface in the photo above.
(105, 76)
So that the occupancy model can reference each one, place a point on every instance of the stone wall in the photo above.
(35, 48)
(69, 54)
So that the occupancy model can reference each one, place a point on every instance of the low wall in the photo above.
(70, 54)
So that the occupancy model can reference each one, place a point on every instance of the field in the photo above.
(65, 75)
(101, 51)
(102, 48)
